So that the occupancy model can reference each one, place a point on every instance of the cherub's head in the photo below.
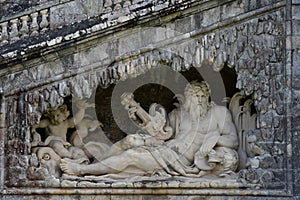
(58, 115)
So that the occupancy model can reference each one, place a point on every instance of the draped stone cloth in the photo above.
(180, 155)
(174, 156)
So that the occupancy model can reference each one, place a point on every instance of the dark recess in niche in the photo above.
(229, 77)
(192, 74)
(145, 95)
(155, 93)
(104, 113)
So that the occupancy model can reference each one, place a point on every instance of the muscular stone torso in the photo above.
(191, 134)
(58, 130)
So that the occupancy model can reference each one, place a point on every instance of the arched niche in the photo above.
(148, 89)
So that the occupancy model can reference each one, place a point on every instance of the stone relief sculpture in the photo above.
(195, 139)
(254, 161)
(245, 52)
(153, 123)
(55, 147)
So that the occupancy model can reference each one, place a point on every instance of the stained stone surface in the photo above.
(92, 44)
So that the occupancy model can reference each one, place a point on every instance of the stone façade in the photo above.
(257, 39)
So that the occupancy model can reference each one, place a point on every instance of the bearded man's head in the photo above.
(197, 98)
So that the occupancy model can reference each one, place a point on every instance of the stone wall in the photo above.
(292, 64)
(255, 38)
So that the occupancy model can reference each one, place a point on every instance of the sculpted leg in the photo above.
(72, 168)
(60, 149)
(138, 158)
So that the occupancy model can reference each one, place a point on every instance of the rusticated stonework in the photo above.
(247, 44)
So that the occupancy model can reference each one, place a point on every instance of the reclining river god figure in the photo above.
(195, 139)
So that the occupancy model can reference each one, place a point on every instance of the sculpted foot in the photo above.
(70, 167)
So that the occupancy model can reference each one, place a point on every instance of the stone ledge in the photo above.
(143, 185)
(146, 191)
(149, 182)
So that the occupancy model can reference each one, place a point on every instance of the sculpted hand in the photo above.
(131, 113)
(208, 145)
(94, 125)
(204, 150)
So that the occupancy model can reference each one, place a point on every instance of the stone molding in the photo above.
(110, 19)
(147, 190)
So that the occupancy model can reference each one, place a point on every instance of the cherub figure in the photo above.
(84, 127)
(56, 126)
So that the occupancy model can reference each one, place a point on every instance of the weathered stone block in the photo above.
(295, 161)
(198, 17)
(160, 34)
(296, 27)
(211, 16)
(296, 64)
(295, 1)
(112, 48)
(296, 83)
(296, 47)
(66, 14)
(183, 25)
(296, 123)
(233, 9)
(74, 11)
(93, 7)
(92, 55)
(130, 42)
(296, 104)
(252, 4)
(151, 35)
(265, 2)
(170, 30)
(296, 12)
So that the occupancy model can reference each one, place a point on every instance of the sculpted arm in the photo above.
(36, 137)
(81, 105)
(228, 136)
(173, 121)
(44, 123)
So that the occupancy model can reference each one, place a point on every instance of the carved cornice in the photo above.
(45, 36)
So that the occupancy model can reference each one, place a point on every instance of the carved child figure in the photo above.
(83, 128)
(56, 126)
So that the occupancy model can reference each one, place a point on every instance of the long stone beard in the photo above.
(198, 111)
